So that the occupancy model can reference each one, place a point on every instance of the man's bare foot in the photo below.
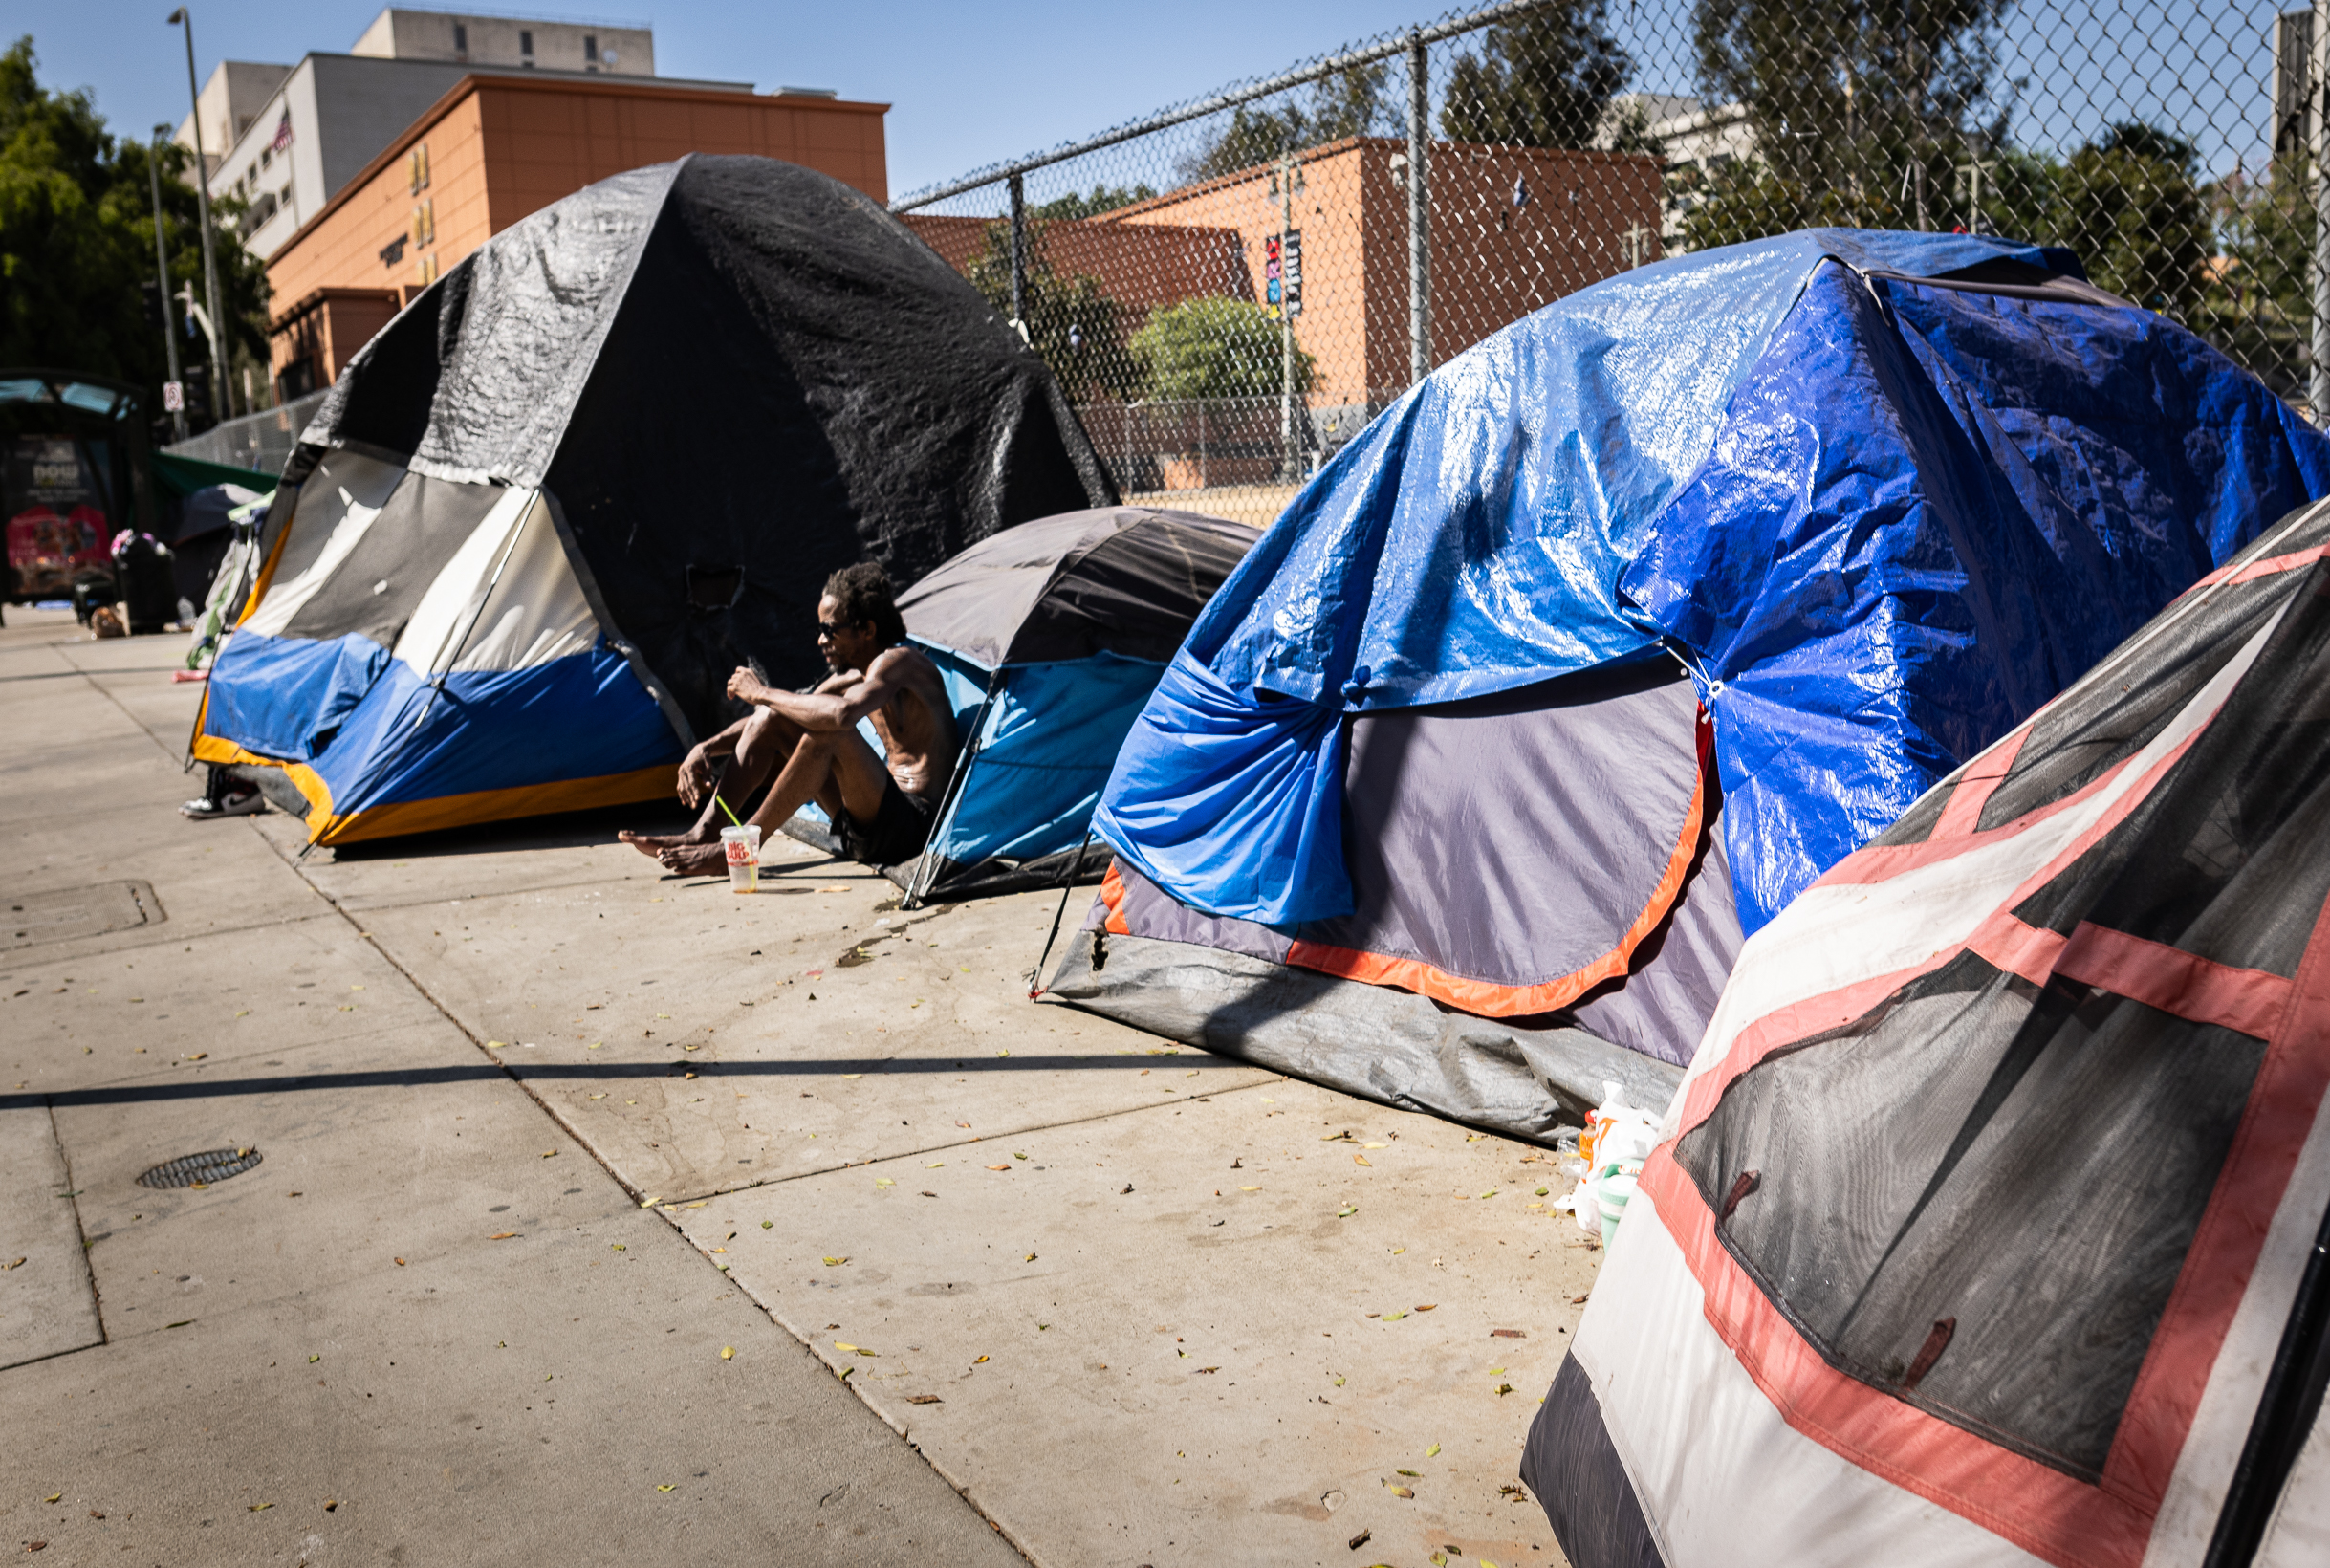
(695, 860)
(654, 844)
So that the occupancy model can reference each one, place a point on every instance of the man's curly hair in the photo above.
(862, 596)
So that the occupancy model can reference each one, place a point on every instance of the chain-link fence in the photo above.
(1232, 287)
(260, 442)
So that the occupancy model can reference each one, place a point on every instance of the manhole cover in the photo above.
(200, 1169)
(29, 919)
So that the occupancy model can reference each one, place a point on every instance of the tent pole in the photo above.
(1036, 975)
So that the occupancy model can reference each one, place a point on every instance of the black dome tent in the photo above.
(608, 456)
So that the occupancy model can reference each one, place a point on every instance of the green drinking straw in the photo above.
(724, 806)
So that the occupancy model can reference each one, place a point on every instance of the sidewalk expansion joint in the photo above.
(780, 1178)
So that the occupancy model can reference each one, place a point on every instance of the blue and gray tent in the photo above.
(1049, 638)
(1623, 626)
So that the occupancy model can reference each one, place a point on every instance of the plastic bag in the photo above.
(1617, 1140)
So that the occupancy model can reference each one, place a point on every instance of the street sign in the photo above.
(174, 397)
(1282, 273)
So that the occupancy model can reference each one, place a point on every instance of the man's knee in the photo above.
(761, 745)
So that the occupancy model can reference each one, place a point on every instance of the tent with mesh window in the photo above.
(603, 460)
(1993, 1222)
(1624, 625)
(1049, 638)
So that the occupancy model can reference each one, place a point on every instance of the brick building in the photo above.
(1512, 229)
(493, 150)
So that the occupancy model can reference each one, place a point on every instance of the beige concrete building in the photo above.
(301, 132)
(514, 42)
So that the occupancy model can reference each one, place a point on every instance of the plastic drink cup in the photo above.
(742, 846)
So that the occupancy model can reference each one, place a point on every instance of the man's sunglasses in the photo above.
(826, 628)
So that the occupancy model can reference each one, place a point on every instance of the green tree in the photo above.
(1542, 81)
(2130, 207)
(76, 240)
(1862, 110)
(1070, 321)
(1100, 199)
(1214, 347)
(1349, 103)
(2256, 305)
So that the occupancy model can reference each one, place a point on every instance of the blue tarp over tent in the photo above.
(1884, 494)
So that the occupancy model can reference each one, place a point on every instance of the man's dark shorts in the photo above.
(900, 827)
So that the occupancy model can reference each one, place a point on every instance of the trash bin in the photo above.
(149, 587)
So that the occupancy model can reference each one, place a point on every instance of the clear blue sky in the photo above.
(974, 83)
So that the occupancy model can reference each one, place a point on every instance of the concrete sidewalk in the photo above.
(601, 1216)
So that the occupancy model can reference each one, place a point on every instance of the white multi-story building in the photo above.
(284, 138)
(1699, 141)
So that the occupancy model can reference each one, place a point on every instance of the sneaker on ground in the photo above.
(237, 803)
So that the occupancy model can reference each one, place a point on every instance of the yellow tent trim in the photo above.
(452, 810)
(310, 783)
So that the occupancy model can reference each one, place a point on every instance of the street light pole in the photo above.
(202, 201)
(161, 273)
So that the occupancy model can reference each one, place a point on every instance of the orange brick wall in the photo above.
(1492, 262)
(340, 249)
(541, 146)
(501, 148)
(1140, 269)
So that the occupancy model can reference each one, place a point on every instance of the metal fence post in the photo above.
(1019, 255)
(1286, 319)
(2317, 112)
(1418, 239)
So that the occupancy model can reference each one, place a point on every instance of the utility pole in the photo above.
(202, 202)
(161, 274)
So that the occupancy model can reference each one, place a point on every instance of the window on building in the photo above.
(460, 39)
(590, 51)
(526, 44)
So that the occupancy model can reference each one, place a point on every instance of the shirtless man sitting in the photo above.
(809, 742)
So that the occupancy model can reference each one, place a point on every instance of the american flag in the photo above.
(283, 133)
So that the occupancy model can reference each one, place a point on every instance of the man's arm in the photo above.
(696, 768)
(835, 706)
